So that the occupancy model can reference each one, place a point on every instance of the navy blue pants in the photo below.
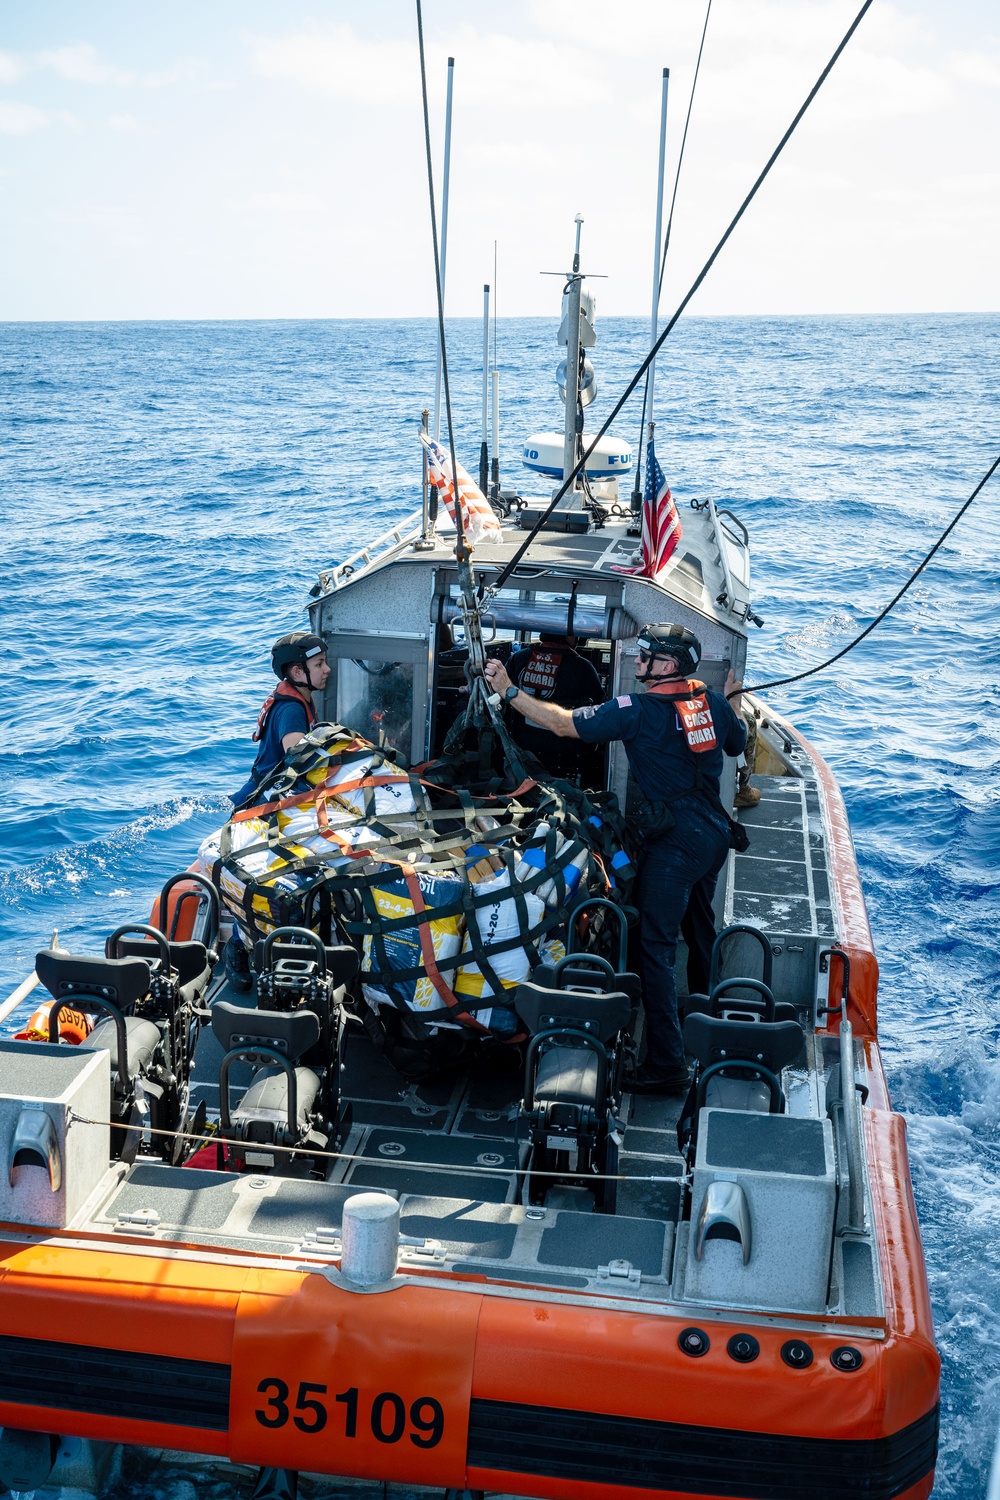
(681, 867)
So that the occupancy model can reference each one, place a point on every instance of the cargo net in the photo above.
(451, 898)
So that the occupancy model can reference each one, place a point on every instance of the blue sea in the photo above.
(169, 492)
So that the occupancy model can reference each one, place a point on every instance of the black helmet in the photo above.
(295, 649)
(672, 640)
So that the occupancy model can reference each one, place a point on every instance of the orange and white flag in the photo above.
(479, 520)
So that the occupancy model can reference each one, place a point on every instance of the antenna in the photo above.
(445, 185)
(654, 329)
(484, 447)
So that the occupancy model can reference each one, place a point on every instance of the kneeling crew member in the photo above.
(299, 660)
(287, 716)
(674, 760)
(555, 672)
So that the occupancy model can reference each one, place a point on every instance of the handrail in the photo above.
(852, 1135)
(22, 992)
(331, 579)
(730, 591)
(737, 522)
(273, 1058)
(767, 959)
(26, 986)
(588, 905)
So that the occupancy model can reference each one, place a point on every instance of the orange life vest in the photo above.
(693, 712)
(283, 690)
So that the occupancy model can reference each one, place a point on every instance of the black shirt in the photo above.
(558, 675)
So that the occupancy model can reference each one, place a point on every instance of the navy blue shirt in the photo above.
(287, 716)
(650, 729)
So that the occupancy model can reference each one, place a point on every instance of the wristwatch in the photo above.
(511, 693)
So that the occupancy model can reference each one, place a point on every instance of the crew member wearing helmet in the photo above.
(676, 734)
(299, 661)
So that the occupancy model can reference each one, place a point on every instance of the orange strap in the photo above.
(427, 952)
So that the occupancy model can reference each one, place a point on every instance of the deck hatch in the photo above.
(598, 1448)
(114, 1383)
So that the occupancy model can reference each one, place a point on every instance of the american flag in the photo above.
(479, 519)
(661, 525)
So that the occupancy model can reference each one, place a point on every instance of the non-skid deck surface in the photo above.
(452, 1150)
(782, 883)
(439, 1136)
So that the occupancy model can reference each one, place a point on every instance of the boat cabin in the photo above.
(401, 682)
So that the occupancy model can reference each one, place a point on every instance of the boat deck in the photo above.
(450, 1148)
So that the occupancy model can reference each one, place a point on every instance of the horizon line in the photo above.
(472, 318)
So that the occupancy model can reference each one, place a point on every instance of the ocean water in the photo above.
(169, 492)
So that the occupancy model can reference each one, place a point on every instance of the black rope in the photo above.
(799, 676)
(571, 478)
(666, 238)
(461, 552)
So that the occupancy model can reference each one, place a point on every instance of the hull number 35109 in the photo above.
(387, 1414)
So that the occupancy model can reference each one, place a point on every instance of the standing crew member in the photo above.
(287, 716)
(675, 735)
(554, 671)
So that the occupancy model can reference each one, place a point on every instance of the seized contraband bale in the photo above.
(451, 898)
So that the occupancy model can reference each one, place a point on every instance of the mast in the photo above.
(484, 448)
(428, 507)
(574, 419)
(445, 182)
(495, 471)
(657, 249)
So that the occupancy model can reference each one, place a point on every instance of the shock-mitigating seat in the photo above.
(296, 1036)
(279, 1107)
(572, 1077)
(112, 987)
(740, 1049)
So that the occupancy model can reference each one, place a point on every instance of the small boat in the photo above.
(426, 1246)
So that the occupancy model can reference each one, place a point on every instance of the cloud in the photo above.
(283, 203)
(767, 27)
(110, 224)
(129, 125)
(338, 63)
(12, 67)
(757, 50)
(977, 67)
(20, 119)
(82, 63)
(873, 87)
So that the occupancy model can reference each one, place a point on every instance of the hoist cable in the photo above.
(760, 687)
(570, 480)
(482, 712)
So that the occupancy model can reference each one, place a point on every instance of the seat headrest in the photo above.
(188, 959)
(604, 1016)
(123, 981)
(784, 1010)
(291, 1032)
(342, 961)
(775, 1044)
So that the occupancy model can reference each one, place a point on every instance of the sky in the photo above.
(241, 159)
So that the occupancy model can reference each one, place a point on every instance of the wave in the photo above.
(205, 471)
